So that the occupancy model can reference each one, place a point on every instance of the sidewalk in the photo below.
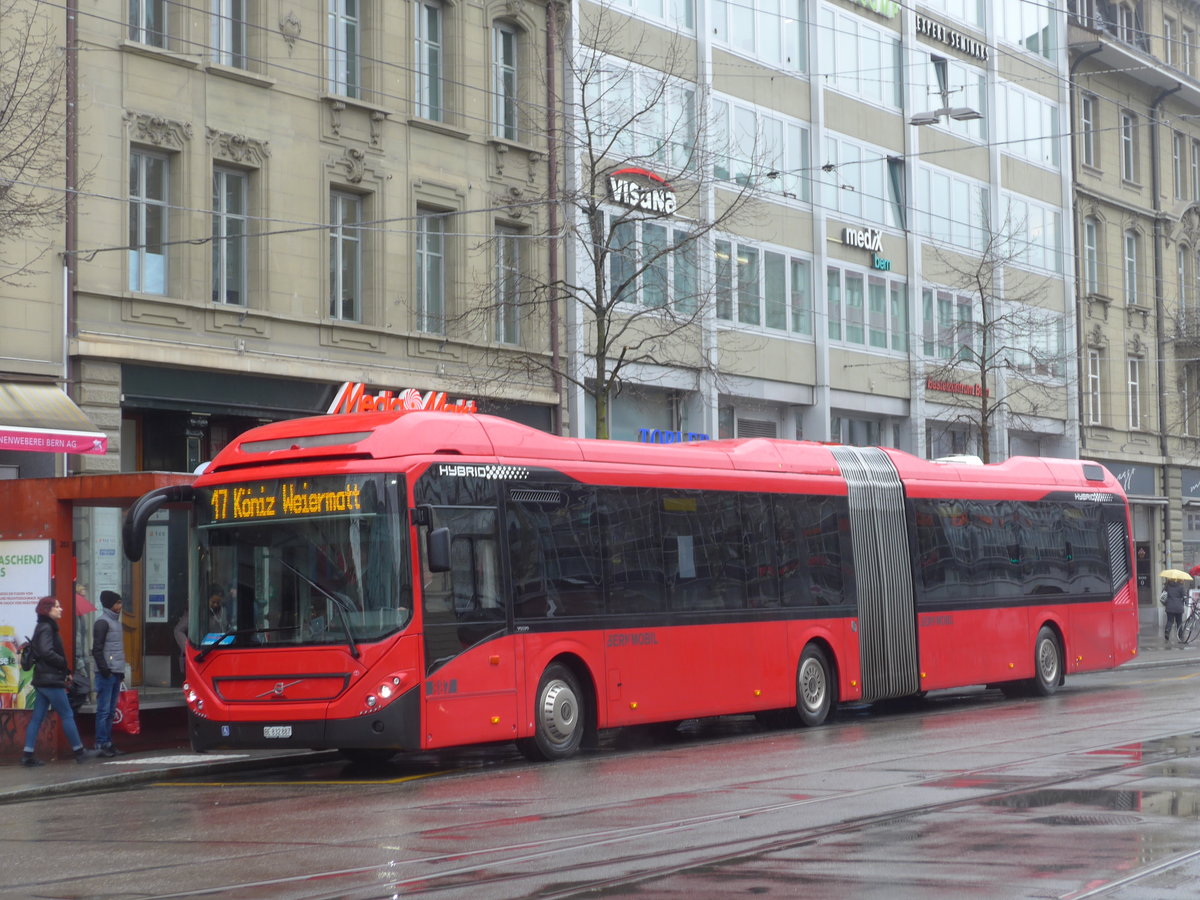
(69, 777)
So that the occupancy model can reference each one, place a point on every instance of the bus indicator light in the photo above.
(633, 704)
(495, 720)
(494, 660)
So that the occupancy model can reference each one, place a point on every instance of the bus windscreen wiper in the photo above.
(234, 632)
(338, 604)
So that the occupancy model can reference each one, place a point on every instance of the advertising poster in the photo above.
(24, 579)
(155, 557)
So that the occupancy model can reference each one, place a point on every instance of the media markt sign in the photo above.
(640, 189)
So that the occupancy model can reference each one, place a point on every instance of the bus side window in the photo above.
(809, 547)
(758, 534)
(703, 550)
(632, 550)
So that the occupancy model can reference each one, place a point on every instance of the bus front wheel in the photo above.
(814, 686)
(558, 717)
(1047, 662)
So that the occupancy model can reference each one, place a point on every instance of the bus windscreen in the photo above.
(317, 560)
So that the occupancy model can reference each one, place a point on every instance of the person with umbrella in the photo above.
(1175, 600)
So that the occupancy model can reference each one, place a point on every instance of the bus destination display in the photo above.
(259, 500)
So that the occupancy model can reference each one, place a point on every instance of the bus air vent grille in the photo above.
(542, 498)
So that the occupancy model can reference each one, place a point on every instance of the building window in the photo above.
(504, 81)
(431, 267)
(1088, 108)
(229, 32)
(1195, 171)
(1169, 51)
(149, 185)
(508, 285)
(1131, 268)
(1129, 146)
(1135, 392)
(230, 190)
(652, 265)
(1191, 396)
(1126, 24)
(872, 310)
(948, 325)
(868, 58)
(345, 257)
(950, 209)
(1179, 164)
(643, 113)
(1181, 265)
(428, 53)
(1029, 25)
(1036, 232)
(1186, 43)
(771, 288)
(1093, 387)
(749, 141)
(1091, 256)
(1029, 125)
(342, 36)
(770, 31)
(148, 22)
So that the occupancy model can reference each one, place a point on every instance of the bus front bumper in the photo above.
(396, 726)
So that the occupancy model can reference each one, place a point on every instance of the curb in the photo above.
(147, 774)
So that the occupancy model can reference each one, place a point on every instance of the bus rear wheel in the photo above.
(558, 717)
(814, 687)
(1047, 662)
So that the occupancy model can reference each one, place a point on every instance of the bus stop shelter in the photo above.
(55, 532)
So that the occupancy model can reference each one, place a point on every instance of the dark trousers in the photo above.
(1177, 619)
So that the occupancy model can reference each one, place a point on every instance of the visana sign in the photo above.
(639, 189)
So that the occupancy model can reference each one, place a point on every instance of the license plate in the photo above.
(277, 731)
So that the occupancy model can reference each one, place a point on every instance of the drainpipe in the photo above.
(1080, 358)
(70, 211)
(552, 199)
(1159, 316)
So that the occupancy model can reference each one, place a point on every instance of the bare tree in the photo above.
(32, 132)
(998, 347)
(650, 178)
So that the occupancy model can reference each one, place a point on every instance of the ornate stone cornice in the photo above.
(238, 148)
(158, 131)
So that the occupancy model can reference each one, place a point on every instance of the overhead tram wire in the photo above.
(321, 76)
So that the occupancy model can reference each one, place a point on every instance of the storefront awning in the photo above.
(41, 418)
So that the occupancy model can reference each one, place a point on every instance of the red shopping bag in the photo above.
(127, 717)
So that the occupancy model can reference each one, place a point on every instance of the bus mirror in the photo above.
(133, 531)
(437, 550)
(421, 515)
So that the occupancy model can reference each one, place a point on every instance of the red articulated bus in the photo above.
(388, 581)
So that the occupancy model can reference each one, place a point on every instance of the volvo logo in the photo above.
(278, 689)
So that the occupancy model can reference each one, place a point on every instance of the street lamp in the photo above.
(958, 113)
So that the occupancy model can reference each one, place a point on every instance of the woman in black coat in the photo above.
(50, 674)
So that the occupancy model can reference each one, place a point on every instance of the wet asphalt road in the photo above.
(1091, 793)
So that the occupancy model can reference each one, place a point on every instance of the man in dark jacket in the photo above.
(1177, 592)
(108, 653)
